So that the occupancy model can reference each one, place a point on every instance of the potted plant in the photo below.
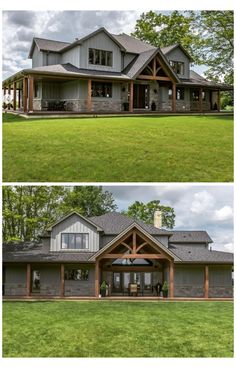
(126, 106)
(153, 106)
(165, 289)
(103, 288)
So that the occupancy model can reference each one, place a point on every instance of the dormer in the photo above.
(179, 59)
(74, 233)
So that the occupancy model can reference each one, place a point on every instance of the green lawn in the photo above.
(121, 149)
(117, 329)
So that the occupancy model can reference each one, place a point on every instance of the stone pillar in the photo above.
(206, 282)
(28, 279)
(89, 97)
(131, 97)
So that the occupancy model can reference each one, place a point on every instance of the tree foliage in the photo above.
(145, 212)
(206, 35)
(29, 210)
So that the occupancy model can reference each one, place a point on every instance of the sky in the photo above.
(19, 27)
(203, 207)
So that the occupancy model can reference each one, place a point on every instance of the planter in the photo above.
(126, 106)
(103, 292)
(165, 293)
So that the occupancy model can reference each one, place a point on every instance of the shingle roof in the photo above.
(132, 44)
(47, 45)
(71, 70)
(190, 237)
(198, 80)
(33, 252)
(115, 222)
(135, 66)
(191, 253)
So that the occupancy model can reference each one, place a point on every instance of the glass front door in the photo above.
(121, 281)
(117, 282)
(141, 96)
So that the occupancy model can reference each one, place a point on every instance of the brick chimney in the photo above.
(158, 219)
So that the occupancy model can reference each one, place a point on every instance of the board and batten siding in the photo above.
(37, 58)
(178, 55)
(72, 56)
(100, 41)
(74, 224)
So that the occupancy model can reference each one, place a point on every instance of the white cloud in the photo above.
(224, 214)
(202, 201)
(229, 247)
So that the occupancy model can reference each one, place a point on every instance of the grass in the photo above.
(117, 329)
(118, 149)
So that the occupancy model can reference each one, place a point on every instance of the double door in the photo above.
(121, 281)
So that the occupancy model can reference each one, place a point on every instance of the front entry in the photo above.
(122, 280)
(141, 96)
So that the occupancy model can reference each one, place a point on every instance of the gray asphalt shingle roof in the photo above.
(196, 79)
(191, 253)
(132, 44)
(190, 237)
(50, 45)
(115, 223)
(134, 67)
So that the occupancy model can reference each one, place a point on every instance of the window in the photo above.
(74, 241)
(178, 66)
(203, 96)
(36, 90)
(100, 89)
(35, 281)
(180, 93)
(195, 95)
(147, 281)
(100, 57)
(77, 274)
(170, 93)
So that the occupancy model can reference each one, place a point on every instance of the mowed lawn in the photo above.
(117, 329)
(118, 149)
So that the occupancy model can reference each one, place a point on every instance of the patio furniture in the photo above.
(133, 289)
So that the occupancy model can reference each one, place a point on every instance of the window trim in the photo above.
(74, 249)
(175, 66)
(102, 83)
(76, 269)
(94, 50)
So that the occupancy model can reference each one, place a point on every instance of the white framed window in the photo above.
(74, 241)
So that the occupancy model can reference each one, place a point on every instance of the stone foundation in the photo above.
(220, 292)
(15, 289)
(194, 291)
(79, 288)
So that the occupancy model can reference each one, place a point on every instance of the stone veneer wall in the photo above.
(81, 288)
(220, 292)
(80, 105)
(196, 291)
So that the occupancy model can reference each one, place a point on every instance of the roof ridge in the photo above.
(49, 39)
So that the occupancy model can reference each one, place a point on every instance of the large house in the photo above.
(104, 72)
(77, 254)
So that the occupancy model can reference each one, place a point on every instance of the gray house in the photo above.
(103, 72)
(77, 254)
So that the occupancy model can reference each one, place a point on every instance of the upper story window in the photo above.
(74, 241)
(178, 66)
(100, 57)
(101, 89)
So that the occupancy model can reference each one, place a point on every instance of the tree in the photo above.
(145, 212)
(206, 35)
(28, 210)
(88, 200)
(162, 30)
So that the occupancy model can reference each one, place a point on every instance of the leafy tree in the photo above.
(28, 210)
(88, 200)
(145, 212)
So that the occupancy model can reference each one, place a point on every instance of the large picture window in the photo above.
(100, 57)
(77, 274)
(74, 241)
(178, 66)
(195, 95)
(180, 94)
(100, 89)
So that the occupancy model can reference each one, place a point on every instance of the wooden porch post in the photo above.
(25, 94)
(89, 97)
(28, 279)
(31, 93)
(218, 100)
(62, 289)
(9, 93)
(206, 282)
(174, 97)
(131, 97)
(171, 279)
(134, 242)
(97, 279)
(19, 101)
(14, 96)
(200, 99)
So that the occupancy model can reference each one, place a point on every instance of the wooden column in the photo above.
(89, 97)
(25, 94)
(31, 93)
(19, 100)
(131, 96)
(97, 279)
(28, 279)
(154, 67)
(200, 99)
(134, 242)
(206, 282)
(174, 97)
(218, 100)
(171, 279)
(62, 288)
(9, 93)
(14, 96)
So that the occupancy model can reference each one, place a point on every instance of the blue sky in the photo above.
(197, 207)
(19, 27)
